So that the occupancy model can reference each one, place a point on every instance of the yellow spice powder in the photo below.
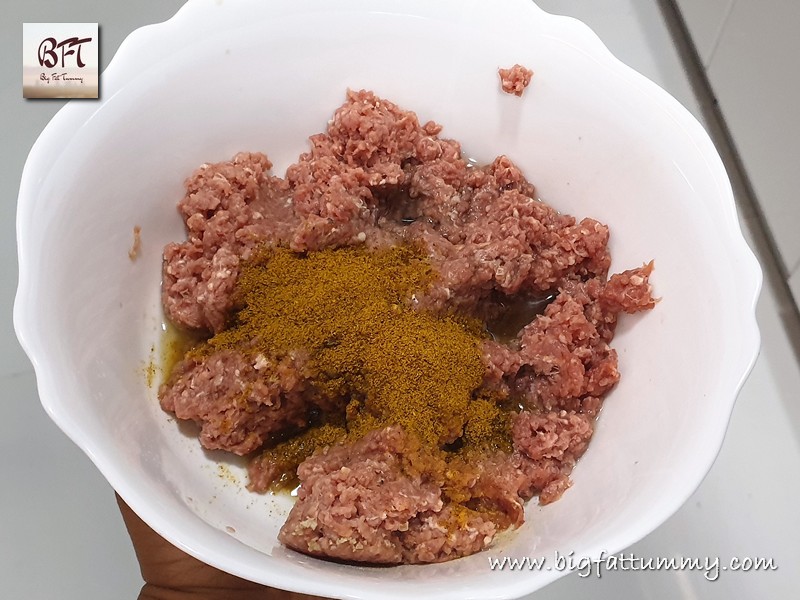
(350, 311)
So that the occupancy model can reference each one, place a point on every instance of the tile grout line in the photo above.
(775, 271)
(717, 126)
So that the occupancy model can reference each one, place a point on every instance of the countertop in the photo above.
(61, 535)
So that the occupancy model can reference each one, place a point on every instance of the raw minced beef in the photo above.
(376, 178)
(371, 502)
(515, 79)
(237, 400)
(230, 208)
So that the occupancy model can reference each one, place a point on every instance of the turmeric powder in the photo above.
(349, 310)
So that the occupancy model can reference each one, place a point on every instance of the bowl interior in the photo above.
(595, 138)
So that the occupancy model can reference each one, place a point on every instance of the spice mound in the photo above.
(416, 343)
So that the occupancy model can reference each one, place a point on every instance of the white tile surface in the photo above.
(754, 76)
(705, 20)
(58, 516)
(634, 31)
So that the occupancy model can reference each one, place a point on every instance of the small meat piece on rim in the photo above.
(515, 80)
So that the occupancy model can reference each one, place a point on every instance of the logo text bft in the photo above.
(48, 57)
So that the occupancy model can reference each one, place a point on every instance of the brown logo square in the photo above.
(59, 60)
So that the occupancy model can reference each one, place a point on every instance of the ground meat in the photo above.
(551, 435)
(496, 238)
(337, 184)
(562, 359)
(515, 80)
(133, 253)
(360, 501)
(229, 209)
(628, 292)
(355, 501)
(238, 400)
(560, 366)
(497, 484)
(378, 177)
(363, 502)
(198, 285)
(548, 446)
(431, 537)
(262, 473)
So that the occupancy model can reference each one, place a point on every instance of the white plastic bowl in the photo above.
(597, 138)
